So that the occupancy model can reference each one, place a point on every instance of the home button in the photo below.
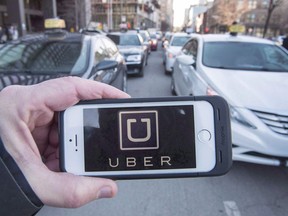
(204, 136)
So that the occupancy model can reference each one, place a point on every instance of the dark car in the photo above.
(147, 40)
(132, 47)
(57, 53)
(154, 42)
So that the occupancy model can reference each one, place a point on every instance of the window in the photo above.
(240, 4)
(191, 48)
(245, 56)
(251, 18)
(132, 40)
(44, 56)
(110, 46)
(100, 51)
(179, 41)
(252, 4)
(265, 3)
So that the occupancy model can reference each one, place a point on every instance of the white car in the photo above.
(252, 75)
(172, 49)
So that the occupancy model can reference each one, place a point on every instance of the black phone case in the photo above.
(222, 135)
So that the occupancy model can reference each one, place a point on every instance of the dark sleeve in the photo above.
(16, 195)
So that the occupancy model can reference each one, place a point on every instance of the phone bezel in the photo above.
(73, 126)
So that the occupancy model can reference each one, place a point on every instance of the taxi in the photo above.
(252, 75)
(56, 53)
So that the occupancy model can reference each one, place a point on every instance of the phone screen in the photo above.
(139, 138)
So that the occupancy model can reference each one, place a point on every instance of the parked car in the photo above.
(252, 75)
(172, 49)
(57, 53)
(146, 38)
(166, 38)
(135, 52)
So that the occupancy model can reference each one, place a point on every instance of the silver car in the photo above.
(173, 48)
(252, 75)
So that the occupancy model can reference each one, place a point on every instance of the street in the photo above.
(247, 190)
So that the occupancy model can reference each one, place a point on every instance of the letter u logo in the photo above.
(138, 130)
(148, 129)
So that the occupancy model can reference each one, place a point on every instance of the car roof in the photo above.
(180, 34)
(124, 33)
(57, 36)
(228, 38)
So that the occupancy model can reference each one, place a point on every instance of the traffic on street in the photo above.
(248, 189)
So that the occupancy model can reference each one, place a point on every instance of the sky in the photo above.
(179, 7)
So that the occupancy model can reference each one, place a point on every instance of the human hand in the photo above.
(29, 132)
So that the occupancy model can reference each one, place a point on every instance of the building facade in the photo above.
(28, 16)
(137, 13)
(167, 15)
(250, 13)
(24, 15)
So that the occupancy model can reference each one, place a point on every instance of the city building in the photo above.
(23, 15)
(27, 16)
(250, 13)
(167, 15)
(136, 13)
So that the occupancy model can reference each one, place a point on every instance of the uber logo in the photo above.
(138, 130)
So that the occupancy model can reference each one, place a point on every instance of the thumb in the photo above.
(71, 191)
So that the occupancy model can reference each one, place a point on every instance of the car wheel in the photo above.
(173, 87)
(166, 71)
(141, 71)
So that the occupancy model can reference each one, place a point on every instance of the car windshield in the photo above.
(144, 36)
(44, 56)
(245, 56)
(179, 41)
(129, 40)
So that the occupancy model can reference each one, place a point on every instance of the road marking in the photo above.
(231, 208)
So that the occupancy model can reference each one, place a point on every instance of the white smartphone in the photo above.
(145, 138)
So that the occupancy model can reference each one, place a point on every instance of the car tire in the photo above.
(173, 87)
(141, 71)
(166, 71)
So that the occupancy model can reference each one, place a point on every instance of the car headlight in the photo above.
(134, 58)
(239, 118)
(234, 113)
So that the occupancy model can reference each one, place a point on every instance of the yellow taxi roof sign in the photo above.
(54, 23)
(237, 28)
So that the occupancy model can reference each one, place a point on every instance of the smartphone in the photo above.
(146, 137)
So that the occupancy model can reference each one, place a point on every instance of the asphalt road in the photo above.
(247, 190)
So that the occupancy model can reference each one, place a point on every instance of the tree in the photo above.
(225, 12)
(272, 5)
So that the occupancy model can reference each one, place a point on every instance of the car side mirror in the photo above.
(186, 60)
(146, 43)
(165, 43)
(106, 65)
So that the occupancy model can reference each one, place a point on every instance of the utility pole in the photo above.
(76, 16)
(54, 8)
(109, 4)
